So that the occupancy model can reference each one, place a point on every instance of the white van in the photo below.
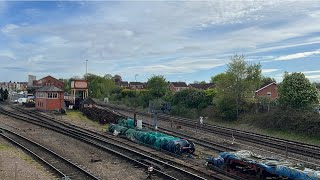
(22, 100)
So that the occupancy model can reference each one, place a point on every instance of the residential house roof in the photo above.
(266, 86)
(49, 89)
(124, 83)
(179, 84)
(202, 86)
(136, 83)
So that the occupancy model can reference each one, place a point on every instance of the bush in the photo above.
(226, 108)
(296, 120)
(182, 111)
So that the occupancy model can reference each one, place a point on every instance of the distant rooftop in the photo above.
(179, 84)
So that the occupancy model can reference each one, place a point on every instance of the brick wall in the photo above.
(273, 89)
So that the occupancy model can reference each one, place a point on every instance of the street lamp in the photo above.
(135, 76)
(86, 69)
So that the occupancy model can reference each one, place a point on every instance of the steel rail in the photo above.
(102, 144)
(35, 152)
(277, 143)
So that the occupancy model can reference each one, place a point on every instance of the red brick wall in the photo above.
(272, 88)
(49, 80)
(50, 104)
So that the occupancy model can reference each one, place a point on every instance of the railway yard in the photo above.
(47, 146)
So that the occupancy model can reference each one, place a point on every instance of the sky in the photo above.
(182, 40)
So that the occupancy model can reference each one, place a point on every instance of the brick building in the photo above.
(136, 85)
(177, 86)
(49, 98)
(270, 90)
(47, 81)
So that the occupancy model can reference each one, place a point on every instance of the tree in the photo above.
(5, 94)
(191, 98)
(296, 91)
(157, 86)
(267, 80)
(99, 87)
(1, 94)
(108, 76)
(217, 77)
(237, 84)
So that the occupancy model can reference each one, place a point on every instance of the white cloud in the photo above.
(314, 77)
(139, 35)
(269, 70)
(7, 29)
(298, 55)
(311, 72)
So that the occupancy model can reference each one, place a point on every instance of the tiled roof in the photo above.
(136, 83)
(203, 86)
(265, 86)
(179, 84)
(49, 89)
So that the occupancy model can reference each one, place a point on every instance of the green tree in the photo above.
(1, 93)
(217, 77)
(5, 94)
(157, 86)
(267, 80)
(296, 91)
(99, 87)
(191, 98)
(108, 76)
(237, 84)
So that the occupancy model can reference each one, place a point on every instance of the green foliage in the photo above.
(5, 94)
(217, 77)
(296, 91)
(226, 107)
(291, 119)
(235, 87)
(267, 80)
(181, 110)
(128, 93)
(99, 87)
(191, 98)
(158, 86)
(211, 93)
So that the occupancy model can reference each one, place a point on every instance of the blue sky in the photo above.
(182, 40)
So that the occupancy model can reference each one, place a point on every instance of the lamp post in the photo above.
(86, 69)
(135, 76)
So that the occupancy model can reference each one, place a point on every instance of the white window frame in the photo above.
(269, 94)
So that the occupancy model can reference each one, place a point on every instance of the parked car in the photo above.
(22, 100)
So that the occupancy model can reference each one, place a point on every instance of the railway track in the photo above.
(59, 165)
(304, 149)
(168, 171)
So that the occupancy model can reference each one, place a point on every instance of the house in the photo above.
(177, 86)
(49, 98)
(46, 81)
(49, 80)
(269, 90)
(124, 84)
(136, 85)
(202, 86)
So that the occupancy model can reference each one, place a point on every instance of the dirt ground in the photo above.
(15, 163)
(107, 167)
